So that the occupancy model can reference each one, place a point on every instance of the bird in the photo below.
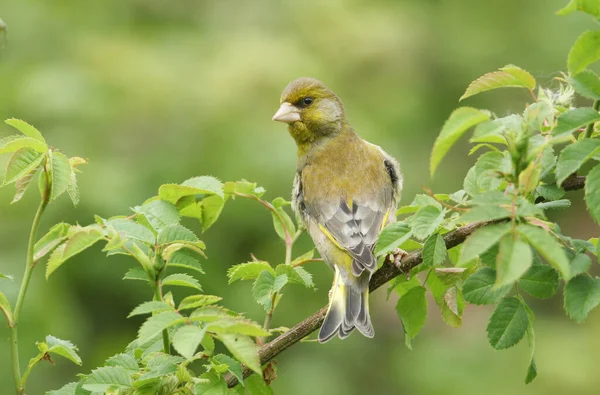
(344, 193)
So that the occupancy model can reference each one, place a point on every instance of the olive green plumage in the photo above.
(345, 191)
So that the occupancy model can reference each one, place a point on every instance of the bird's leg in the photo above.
(395, 258)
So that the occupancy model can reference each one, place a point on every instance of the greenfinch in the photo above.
(345, 191)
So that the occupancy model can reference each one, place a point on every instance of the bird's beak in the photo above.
(287, 113)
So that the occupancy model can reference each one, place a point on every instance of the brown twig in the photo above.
(386, 272)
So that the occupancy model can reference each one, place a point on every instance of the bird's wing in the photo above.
(354, 225)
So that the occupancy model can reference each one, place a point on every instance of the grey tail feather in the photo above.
(348, 309)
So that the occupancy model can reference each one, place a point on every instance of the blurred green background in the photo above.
(153, 92)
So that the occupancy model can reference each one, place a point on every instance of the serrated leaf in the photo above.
(262, 289)
(159, 213)
(580, 264)
(123, 360)
(461, 120)
(15, 143)
(69, 389)
(449, 299)
(585, 51)
(204, 185)
(582, 295)
(243, 187)
(514, 259)
(233, 366)
(63, 348)
(282, 223)
(426, 221)
(592, 193)
(149, 307)
(107, 377)
(479, 288)
(21, 163)
(296, 275)
(25, 128)
(184, 259)
(586, 83)
(21, 186)
(182, 280)
(574, 156)
(132, 230)
(77, 243)
(574, 119)
(60, 170)
(434, 251)
(136, 273)
(194, 301)
(391, 237)
(155, 324)
(540, 281)
(210, 384)
(187, 339)
(487, 212)
(509, 76)
(547, 246)
(243, 349)
(73, 189)
(237, 325)
(412, 310)
(482, 240)
(304, 257)
(175, 233)
(508, 323)
(211, 207)
(56, 235)
(248, 271)
(256, 385)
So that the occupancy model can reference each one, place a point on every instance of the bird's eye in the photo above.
(307, 101)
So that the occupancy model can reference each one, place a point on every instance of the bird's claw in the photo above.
(396, 256)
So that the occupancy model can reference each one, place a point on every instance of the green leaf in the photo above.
(204, 185)
(449, 299)
(15, 143)
(152, 306)
(243, 187)
(509, 76)
(132, 230)
(21, 186)
(184, 259)
(72, 189)
(296, 275)
(482, 240)
(212, 206)
(5, 307)
(426, 221)
(233, 366)
(60, 170)
(83, 239)
(56, 235)
(304, 257)
(487, 212)
(159, 213)
(531, 369)
(412, 310)
(391, 237)
(248, 271)
(548, 247)
(540, 281)
(582, 295)
(574, 156)
(187, 339)
(281, 222)
(586, 83)
(136, 273)
(508, 323)
(69, 389)
(123, 360)
(592, 193)
(574, 119)
(176, 233)
(107, 378)
(479, 288)
(26, 129)
(194, 301)
(21, 163)
(63, 348)
(210, 384)
(155, 324)
(237, 325)
(580, 264)
(585, 51)
(461, 120)
(243, 349)
(262, 289)
(182, 280)
(255, 385)
(514, 259)
(434, 251)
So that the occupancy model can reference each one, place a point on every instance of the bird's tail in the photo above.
(348, 307)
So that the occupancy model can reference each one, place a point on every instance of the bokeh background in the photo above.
(153, 92)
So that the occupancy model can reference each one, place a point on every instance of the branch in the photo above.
(386, 272)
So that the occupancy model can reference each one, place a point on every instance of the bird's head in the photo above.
(311, 110)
